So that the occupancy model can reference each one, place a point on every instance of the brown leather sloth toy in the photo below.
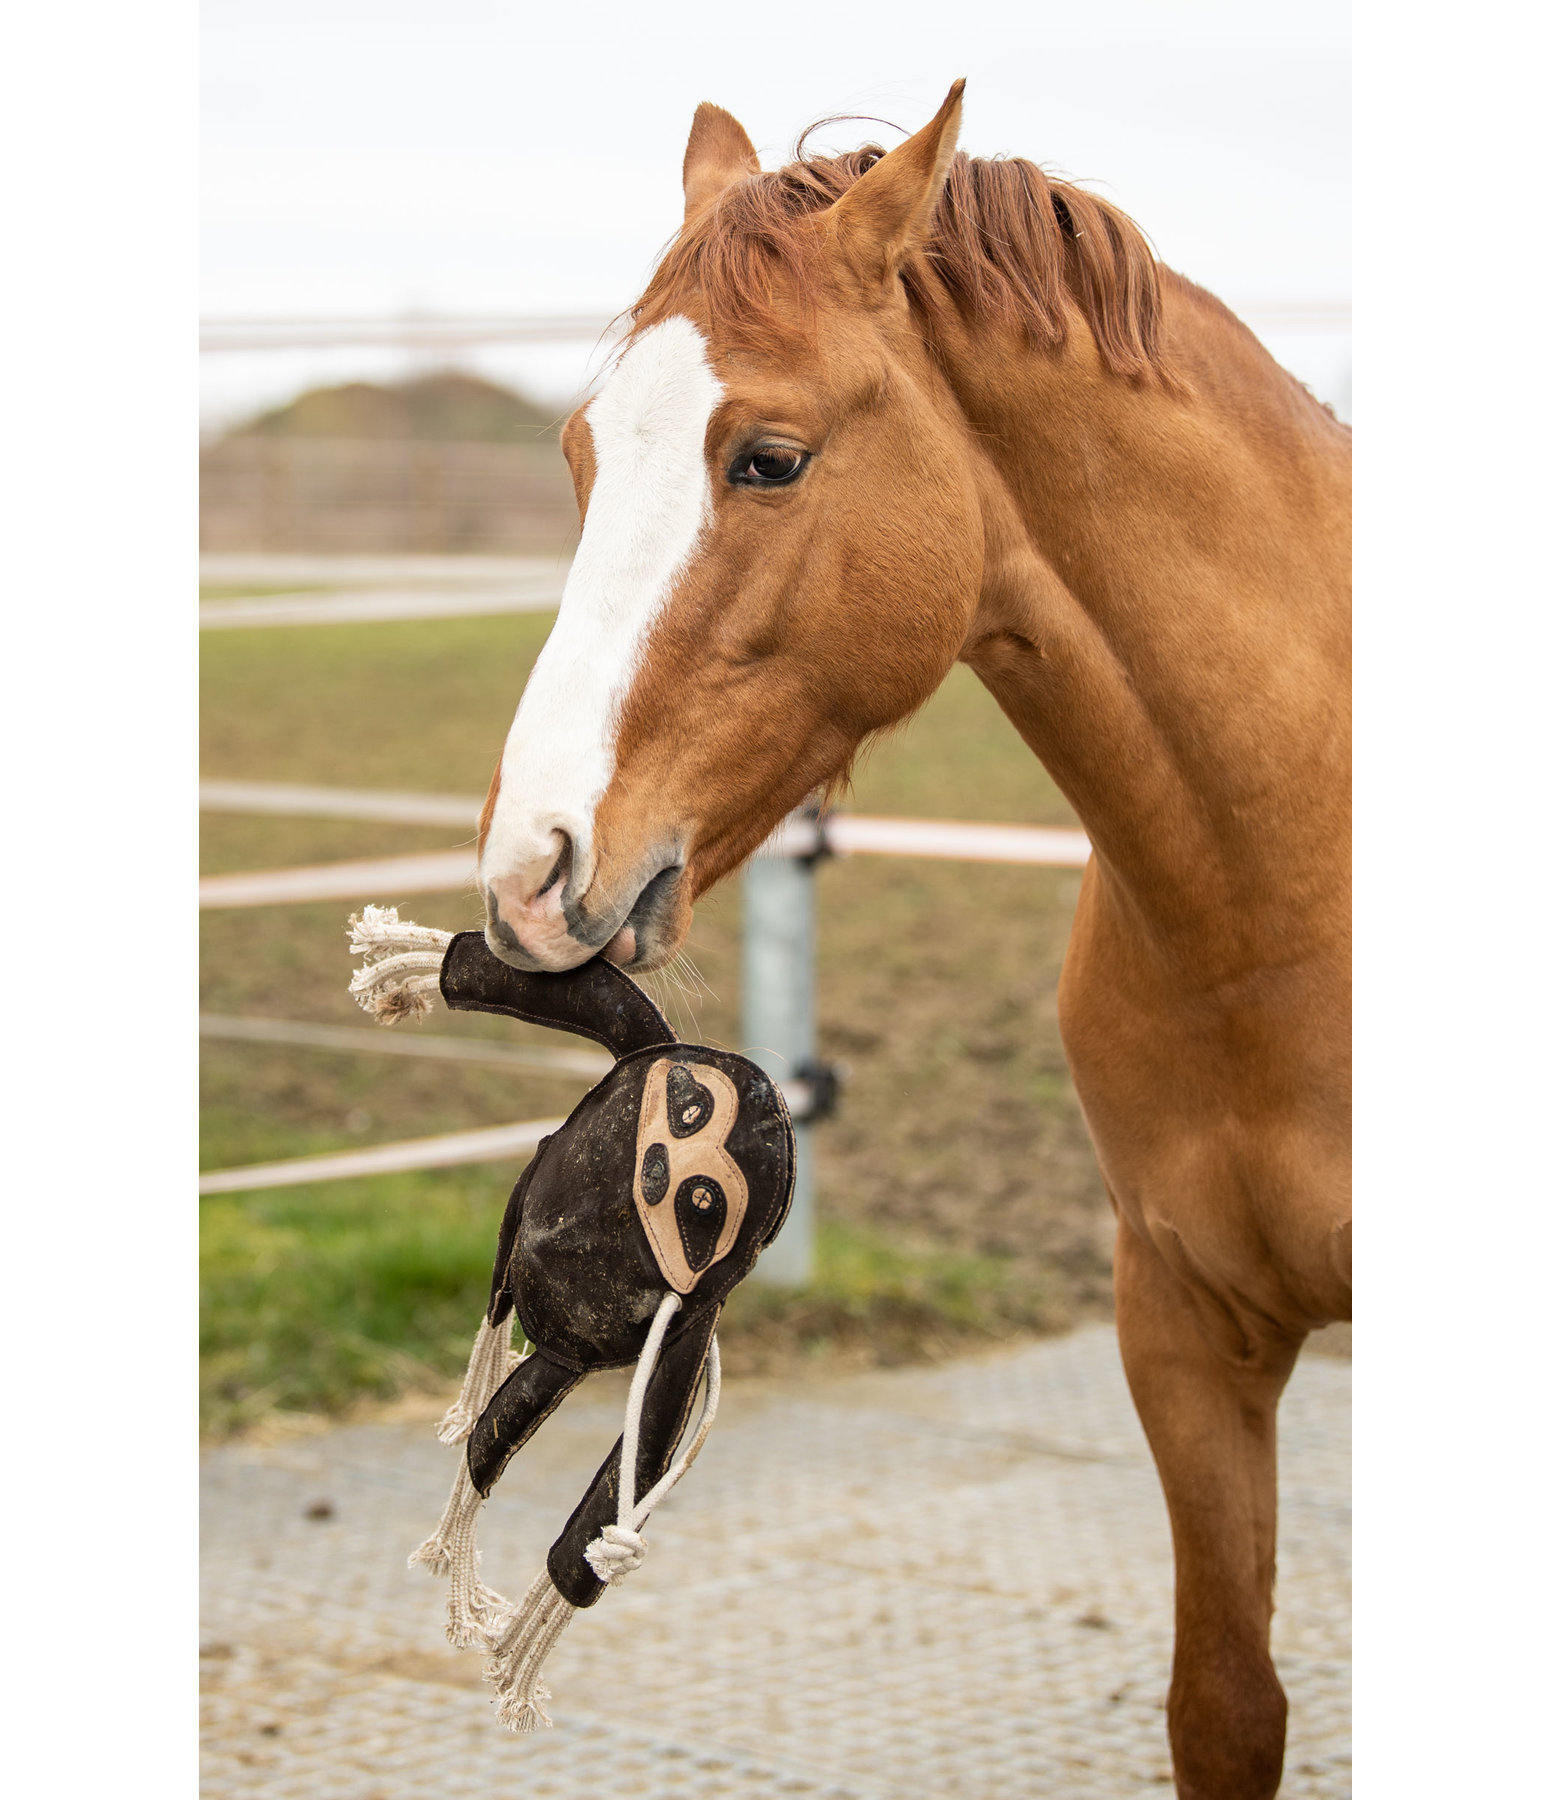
(621, 1241)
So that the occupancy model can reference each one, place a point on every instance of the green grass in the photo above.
(418, 703)
(959, 1198)
(426, 704)
(876, 1300)
(317, 1298)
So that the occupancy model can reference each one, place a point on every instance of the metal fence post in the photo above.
(780, 1027)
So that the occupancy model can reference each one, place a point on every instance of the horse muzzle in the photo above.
(549, 931)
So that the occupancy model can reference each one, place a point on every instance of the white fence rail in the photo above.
(446, 871)
(433, 331)
(406, 331)
(337, 803)
(779, 962)
(437, 872)
(375, 608)
(372, 1040)
(491, 1145)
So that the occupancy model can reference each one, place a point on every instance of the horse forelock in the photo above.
(1009, 246)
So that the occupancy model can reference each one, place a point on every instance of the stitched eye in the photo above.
(771, 465)
(689, 1103)
(654, 1174)
(700, 1209)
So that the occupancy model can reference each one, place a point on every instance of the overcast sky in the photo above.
(489, 156)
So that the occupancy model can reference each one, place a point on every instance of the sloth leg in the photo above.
(663, 1417)
(522, 1402)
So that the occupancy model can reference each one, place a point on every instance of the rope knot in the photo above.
(616, 1553)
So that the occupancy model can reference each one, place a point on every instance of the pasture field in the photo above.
(959, 1197)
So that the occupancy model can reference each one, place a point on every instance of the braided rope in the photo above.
(400, 975)
(620, 1549)
(516, 1668)
(516, 1663)
(476, 1614)
(489, 1363)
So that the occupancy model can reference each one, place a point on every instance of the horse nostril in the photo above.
(561, 864)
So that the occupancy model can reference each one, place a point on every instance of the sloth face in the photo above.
(687, 1112)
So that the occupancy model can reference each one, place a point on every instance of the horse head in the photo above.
(781, 554)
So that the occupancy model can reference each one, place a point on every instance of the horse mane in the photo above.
(1008, 246)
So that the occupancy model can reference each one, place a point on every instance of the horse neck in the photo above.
(1165, 620)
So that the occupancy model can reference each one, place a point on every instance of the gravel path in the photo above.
(905, 1585)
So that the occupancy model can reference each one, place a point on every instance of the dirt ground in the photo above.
(950, 1583)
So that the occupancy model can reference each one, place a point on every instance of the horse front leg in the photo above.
(1211, 1423)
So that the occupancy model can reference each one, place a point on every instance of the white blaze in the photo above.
(650, 499)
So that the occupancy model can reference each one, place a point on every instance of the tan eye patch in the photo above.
(690, 1195)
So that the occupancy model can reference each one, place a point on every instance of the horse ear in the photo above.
(719, 153)
(888, 211)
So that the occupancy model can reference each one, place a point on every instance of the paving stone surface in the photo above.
(928, 1584)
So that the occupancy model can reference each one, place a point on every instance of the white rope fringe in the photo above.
(400, 976)
(520, 1638)
(515, 1669)
(379, 931)
(477, 1617)
(476, 1614)
(490, 1362)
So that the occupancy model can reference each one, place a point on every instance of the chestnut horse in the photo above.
(880, 413)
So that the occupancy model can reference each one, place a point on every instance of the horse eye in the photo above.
(770, 466)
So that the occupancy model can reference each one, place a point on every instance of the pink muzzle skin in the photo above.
(532, 924)
(537, 930)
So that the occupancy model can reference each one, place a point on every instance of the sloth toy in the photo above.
(621, 1241)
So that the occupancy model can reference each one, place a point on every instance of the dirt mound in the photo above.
(446, 407)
